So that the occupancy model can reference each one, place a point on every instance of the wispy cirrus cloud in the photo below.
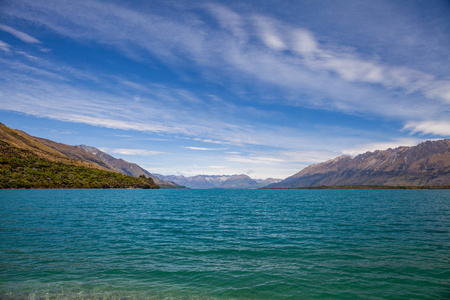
(301, 62)
(436, 127)
(45, 92)
(280, 157)
(24, 37)
(5, 47)
(203, 148)
(140, 152)
(255, 159)
(20, 35)
(349, 66)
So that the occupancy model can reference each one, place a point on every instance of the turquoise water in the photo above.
(224, 244)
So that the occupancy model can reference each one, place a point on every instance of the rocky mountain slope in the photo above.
(218, 181)
(124, 167)
(75, 153)
(427, 164)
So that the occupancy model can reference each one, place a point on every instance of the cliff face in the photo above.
(426, 164)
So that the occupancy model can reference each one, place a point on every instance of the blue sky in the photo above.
(262, 88)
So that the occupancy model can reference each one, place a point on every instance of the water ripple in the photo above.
(196, 244)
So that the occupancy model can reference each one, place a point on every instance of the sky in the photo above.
(263, 88)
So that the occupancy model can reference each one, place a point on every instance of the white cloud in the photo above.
(229, 20)
(140, 152)
(439, 89)
(254, 159)
(441, 128)
(348, 66)
(26, 55)
(211, 141)
(204, 149)
(303, 41)
(5, 47)
(269, 34)
(19, 34)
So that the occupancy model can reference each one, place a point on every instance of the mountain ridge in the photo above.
(127, 168)
(426, 164)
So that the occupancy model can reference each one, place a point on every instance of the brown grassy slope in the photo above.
(22, 140)
(76, 153)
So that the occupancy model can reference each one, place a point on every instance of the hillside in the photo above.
(28, 162)
(22, 169)
(218, 181)
(427, 164)
(22, 140)
(124, 167)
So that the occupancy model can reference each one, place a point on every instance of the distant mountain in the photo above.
(29, 162)
(267, 181)
(124, 167)
(218, 181)
(427, 164)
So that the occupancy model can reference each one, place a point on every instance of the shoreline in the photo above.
(360, 187)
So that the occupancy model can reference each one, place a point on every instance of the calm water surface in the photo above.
(224, 244)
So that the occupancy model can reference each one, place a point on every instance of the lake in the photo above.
(225, 244)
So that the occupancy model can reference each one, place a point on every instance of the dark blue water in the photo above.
(224, 244)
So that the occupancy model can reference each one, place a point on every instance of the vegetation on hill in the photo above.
(22, 169)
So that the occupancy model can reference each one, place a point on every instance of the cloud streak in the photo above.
(203, 148)
(429, 127)
(140, 152)
(5, 47)
(19, 34)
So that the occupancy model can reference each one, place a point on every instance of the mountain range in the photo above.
(241, 181)
(427, 164)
